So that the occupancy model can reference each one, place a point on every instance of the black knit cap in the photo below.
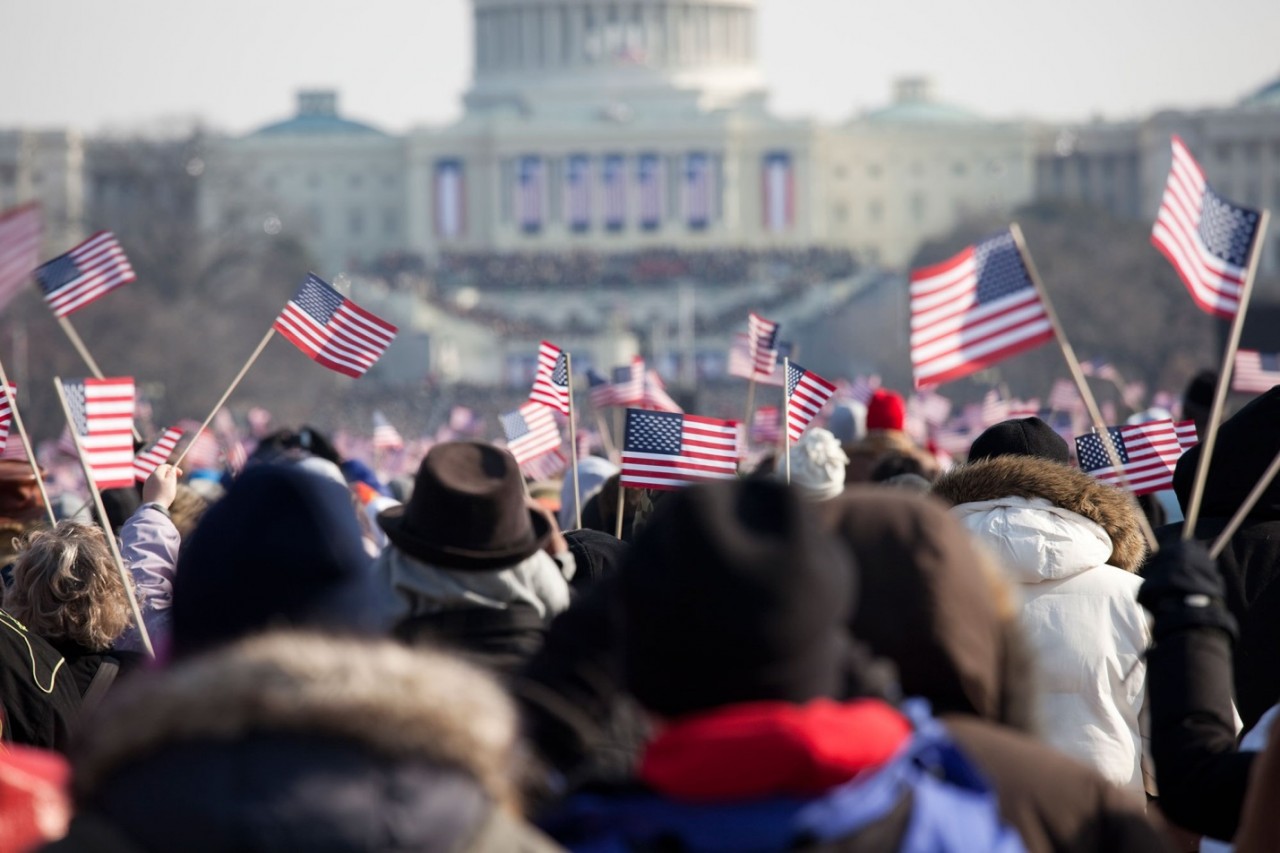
(730, 594)
(1024, 437)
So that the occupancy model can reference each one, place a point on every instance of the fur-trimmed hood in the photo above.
(394, 704)
(1029, 478)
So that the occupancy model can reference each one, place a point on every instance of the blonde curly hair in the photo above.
(66, 586)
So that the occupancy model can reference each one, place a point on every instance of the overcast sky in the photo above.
(95, 64)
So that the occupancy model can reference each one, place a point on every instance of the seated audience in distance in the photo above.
(732, 607)
(303, 742)
(1072, 544)
(470, 562)
(67, 590)
(936, 605)
(283, 547)
(886, 419)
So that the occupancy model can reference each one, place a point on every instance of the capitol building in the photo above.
(614, 126)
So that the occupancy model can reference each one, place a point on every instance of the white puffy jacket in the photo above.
(1084, 621)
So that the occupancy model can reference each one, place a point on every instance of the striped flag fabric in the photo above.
(1019, 409)
(548, 466)
(332, 330)
(85, 274)
(531, 431)
(930, 406)
(1255, 372)
(234, 453)
(994, 409)
(204, 453)
(21, 230)
(7, 402)
(649, 180)
(665, 450)
(762, 343)
(699, 192)
(156, 455)
(1064, 396)
(1100, 368)
(577, 192)
(974, 310)
(600, 389)
(807, 393)
(863, 388)
(613, 176)
(1207, 238)
(655, 394)
(628, 384)
(531, 193)
(766, 425)
(551, 378)
(779, 192)
(741, 363)
(102, 417)
(385, 435)
(1148, 454)
(1186, 431)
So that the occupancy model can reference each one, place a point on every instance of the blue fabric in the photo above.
(953, 809)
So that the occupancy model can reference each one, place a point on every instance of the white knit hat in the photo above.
(817, 465)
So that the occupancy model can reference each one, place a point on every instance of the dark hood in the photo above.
(1246, 444)
(933, 604)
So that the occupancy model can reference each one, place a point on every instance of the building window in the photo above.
(314, 180)
(1223, 152)
(390, 222)
(917, 207)
(875, 210)
(389, 180)
(840, 214)
(873, 170)
(356, 181)
(355, 222)
(839, 172)
(1250, 151)
(959, 168)
(917, 168)
(315, 220)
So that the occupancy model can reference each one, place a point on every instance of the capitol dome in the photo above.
(552, 56)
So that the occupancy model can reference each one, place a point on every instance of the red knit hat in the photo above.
(886, 410)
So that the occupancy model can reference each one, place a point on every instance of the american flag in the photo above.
(1187, 437)
(862, 388)
(766, 425)
(974, 310)
(600, 389)
(1019, 409)
(530, 193)
(545, 467)
(779, 192)
(332, 330)
(741, 363)
(994, 409)
(1255, 372)
(20, 234)
(699, 189)
(762, 343)
(156, 455)
(614, 178)
(577, 191)
(655, 394)
(1064, 396)
(664, 450)
(7, 402)
(1207, 238)
(531, 431)
(551, 378)
(628, 384)
(649, 177)
(385, 435)
(86, 273)
(807, 393)
(233, 449)
(1148, 454)
(1100, 368)
(930, 407)
(102, 417)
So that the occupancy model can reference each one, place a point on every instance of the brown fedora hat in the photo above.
(467, 510)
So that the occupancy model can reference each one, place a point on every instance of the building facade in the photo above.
(46, 166)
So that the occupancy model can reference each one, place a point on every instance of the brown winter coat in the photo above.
(863, 455)
(932, 604)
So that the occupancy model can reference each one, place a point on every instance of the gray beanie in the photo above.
(848, 421)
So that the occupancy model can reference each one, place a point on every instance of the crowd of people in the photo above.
(889, 652)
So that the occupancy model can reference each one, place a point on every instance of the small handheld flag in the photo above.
(551, 381)
(6, 413)
(1256, 372)
(531, 431)
(332, 330)
(385, 435)
(20, 234)
(102, 416)
(85, 274)
(154, 456)
(974, 310)
(665, 450)
(1147, 453)
(1207, 238)
(807, 393)
(762, 342)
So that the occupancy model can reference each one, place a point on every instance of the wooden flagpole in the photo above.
(573, 441)
(262, 344)
(605, 438)
(617, 533)
(751, 396)
(1082, 384)
(786, 419)
(26, 444)
(76, 342)
(1224, 381)
(106, 523)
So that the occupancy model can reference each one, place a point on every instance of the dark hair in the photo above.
(894, 463)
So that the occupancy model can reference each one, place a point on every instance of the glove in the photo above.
(1184, 589)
